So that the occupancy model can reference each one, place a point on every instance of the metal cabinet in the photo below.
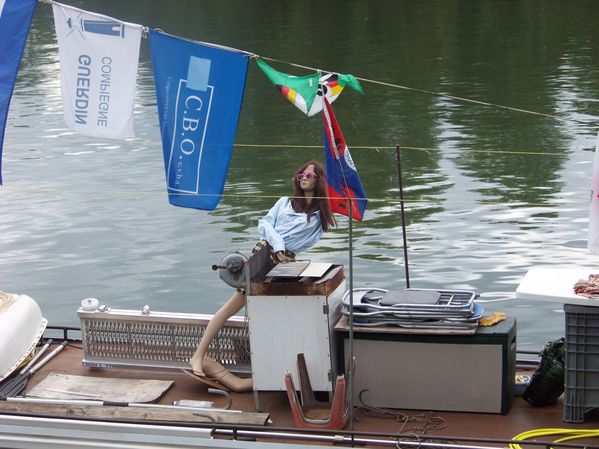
(282, 326)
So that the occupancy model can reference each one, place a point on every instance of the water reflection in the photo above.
(85, 217)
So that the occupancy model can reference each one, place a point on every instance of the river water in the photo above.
(490, 192)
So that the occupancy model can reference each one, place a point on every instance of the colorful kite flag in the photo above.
(15, 19)
(593, 236)
(307, 92)
(299, 90)
(98, 71)
(199, 89)
(343, 180)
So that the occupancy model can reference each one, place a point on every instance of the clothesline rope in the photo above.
(558, 153)
(257, 196)
(278, 146)
(424, 149)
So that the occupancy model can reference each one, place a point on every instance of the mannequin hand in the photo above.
(281, 257)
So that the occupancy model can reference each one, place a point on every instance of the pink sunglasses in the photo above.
(302, 176)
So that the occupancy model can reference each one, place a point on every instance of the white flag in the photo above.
(98, 70)
(593, 243)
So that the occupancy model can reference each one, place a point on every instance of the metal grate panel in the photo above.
(120, 337)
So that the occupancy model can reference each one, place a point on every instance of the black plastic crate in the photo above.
(581, 381)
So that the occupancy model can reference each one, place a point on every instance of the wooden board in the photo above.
(65, 386)
(110, 413)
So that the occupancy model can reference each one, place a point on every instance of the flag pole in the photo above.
(403, 217)
(593, 232)
(351, 317)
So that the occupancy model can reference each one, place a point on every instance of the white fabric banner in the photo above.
(98, 69)
(593, 242)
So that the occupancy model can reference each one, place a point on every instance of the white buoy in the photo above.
(90, 304)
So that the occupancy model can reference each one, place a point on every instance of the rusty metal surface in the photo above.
(302, 286)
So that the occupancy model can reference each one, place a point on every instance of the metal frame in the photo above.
(123, 337)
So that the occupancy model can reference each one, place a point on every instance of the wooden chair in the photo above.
(313, 414)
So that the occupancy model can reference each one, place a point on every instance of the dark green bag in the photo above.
(547, 383)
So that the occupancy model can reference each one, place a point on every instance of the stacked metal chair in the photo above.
(414, 308)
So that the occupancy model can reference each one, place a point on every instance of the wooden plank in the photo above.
(110, 413)
(66, 386)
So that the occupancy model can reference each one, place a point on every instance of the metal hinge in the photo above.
(330, 373)
(325, 309)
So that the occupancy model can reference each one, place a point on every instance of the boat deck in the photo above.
(522, 417)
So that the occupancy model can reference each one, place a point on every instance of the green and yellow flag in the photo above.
(307, 92)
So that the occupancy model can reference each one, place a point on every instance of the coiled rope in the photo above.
(421, 424)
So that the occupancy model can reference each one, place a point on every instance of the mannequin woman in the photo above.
(292, 225)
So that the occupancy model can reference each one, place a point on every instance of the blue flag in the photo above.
(199, 89)
(15, 19)
(343, 181)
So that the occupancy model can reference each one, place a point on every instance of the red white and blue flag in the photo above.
(343, 181)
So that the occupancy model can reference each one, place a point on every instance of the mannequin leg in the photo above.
(226, 377)
(230, 308)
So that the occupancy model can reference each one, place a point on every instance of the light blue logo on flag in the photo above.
(15, 19)
(192, 112)
(199, 90)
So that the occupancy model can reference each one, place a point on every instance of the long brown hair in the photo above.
(320, 202)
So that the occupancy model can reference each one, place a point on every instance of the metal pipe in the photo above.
(403, 217)
(350, 373)
(366, 438)
(95, 397)
(225, 394)
(92, 402)
(351, 439)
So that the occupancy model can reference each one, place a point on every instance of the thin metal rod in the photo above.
(351, 439)
(350, 373)
(99, 403)
(403, 217)
(360, 437)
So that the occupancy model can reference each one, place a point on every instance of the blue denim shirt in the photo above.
(284, 228)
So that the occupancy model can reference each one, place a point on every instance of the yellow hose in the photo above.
(570, 434)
